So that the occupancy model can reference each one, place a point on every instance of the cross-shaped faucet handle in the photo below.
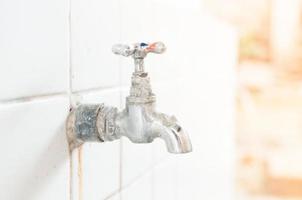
(138, 51)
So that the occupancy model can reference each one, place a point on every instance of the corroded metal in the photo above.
(85, 122)
(91, 123)
(139, 121)
(82, 125)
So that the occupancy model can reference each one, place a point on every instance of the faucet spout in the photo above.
(176, 139)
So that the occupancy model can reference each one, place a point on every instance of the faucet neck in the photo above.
(139, 65)
(140, 90)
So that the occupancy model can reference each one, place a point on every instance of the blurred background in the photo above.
(269, 96)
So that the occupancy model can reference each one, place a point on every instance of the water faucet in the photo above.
(139, 121)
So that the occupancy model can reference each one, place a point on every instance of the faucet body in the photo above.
(139, 121)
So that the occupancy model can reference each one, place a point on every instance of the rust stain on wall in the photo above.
(80, 172)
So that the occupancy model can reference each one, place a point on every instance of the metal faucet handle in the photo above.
(138, 50)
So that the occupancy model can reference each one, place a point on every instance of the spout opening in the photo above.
(176, 139)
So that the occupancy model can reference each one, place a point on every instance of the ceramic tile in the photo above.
(115, 197)
(137, 159)
(140, 189)
(165, 180)
(95, 28)
(110, 97)
(100, 165)
(208, 116)
(35, 162)
(34, 48)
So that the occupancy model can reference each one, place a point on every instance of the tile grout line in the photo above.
(153, 173)
(69, 92)
(70, 71)
(120, 102)
(137, 178)
(97, 89)
(74, 156)
(124, 187)
(27, 99)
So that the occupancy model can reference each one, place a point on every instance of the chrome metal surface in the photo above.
(139, 121)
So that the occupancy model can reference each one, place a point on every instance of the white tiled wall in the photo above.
(33, 47)
(95, 26)
(34, 151)
(54, 53)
